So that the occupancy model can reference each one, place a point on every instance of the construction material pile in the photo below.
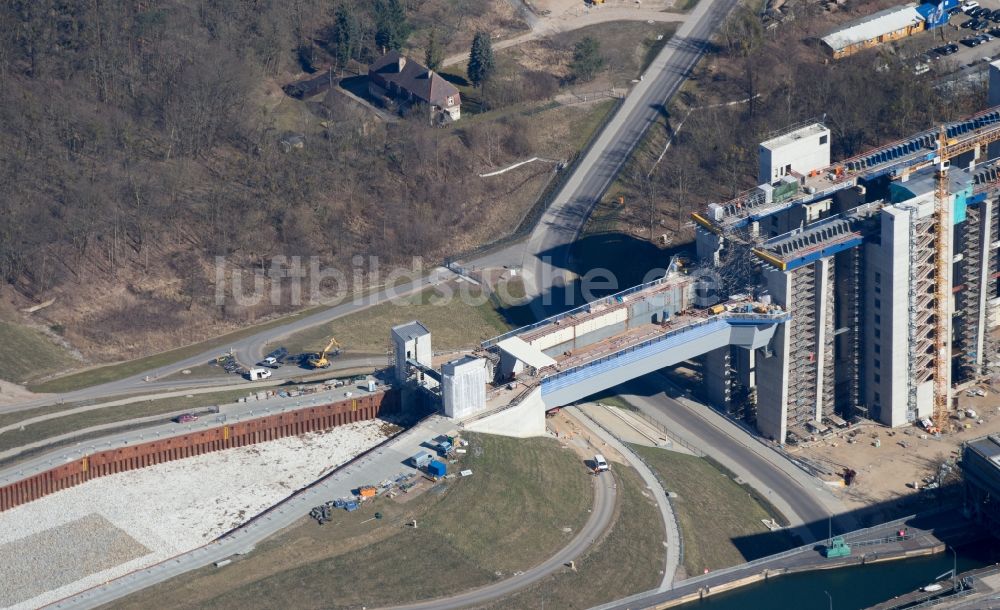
(168, 509)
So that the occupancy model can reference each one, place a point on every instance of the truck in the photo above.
(256, 374)
(717, 309)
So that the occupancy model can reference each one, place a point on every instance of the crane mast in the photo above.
(942, 286)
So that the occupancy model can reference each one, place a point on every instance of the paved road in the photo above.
(545, 259)
(248, 350)
(808, 557)
(800, 497)
(672, 543)
(382, 463)
(605, 491)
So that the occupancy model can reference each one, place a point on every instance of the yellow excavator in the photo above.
(320, 361)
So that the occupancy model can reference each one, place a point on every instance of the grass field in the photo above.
(78, 421)
(629, 560)
(114, 372)
(508, 516)
(453, 323)
(712, 510)
(28, 354)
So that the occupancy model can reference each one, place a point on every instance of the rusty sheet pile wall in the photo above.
(268, 428)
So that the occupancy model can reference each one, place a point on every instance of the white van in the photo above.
(968, 6)
(258, 374)
(600, 464)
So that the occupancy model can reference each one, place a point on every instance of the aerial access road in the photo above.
(545, 257)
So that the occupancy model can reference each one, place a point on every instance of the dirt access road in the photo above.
(567, 16)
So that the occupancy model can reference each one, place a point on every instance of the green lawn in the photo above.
(27, 354)
(508, 516)
(78, 421)
(454, 324)
(629, 560)
(712, 511)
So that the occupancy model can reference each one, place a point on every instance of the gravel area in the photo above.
(101, 546)
(166, 509)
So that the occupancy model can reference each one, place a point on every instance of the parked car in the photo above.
(968, 24)
(970, 5)
(270, 362)
(186, 418)
(972, 42)
(947, 49)
(982, 25)
(921, 69)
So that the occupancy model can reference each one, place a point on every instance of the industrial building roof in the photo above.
(520, 349)
(796, 134)
(873, 26)
(411, 330)
(988, 447)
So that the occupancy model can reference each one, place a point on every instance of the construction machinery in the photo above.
(322, 360)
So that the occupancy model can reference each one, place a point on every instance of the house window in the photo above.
(878, 319)
(878, 333)
(878, 398)
(451, 101)
(788, 168)
(878, 303)
(878, 363)
(878, 379)
(878, 348)
(823, 139)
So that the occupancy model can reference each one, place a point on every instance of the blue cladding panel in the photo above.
(551, 384)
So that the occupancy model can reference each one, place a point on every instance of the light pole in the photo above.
(954, 567)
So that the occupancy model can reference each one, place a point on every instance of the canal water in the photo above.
(850, 588)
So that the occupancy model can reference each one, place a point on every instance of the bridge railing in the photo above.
(608, 300)
(763, 318)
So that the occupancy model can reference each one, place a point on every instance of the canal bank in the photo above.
(852, 588)
(895, 542)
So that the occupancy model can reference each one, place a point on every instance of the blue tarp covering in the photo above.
(936, 15)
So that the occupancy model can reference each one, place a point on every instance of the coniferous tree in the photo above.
(480, 59)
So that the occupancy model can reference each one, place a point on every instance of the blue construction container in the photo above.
(437, 469)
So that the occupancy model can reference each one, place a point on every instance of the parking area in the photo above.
(969, 39)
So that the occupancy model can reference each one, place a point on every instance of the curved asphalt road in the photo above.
(801, 497)
(248, 350)
(605, 492)
(546, 254)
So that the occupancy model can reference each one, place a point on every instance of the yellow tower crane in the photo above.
(947, 150)
(942, 285)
